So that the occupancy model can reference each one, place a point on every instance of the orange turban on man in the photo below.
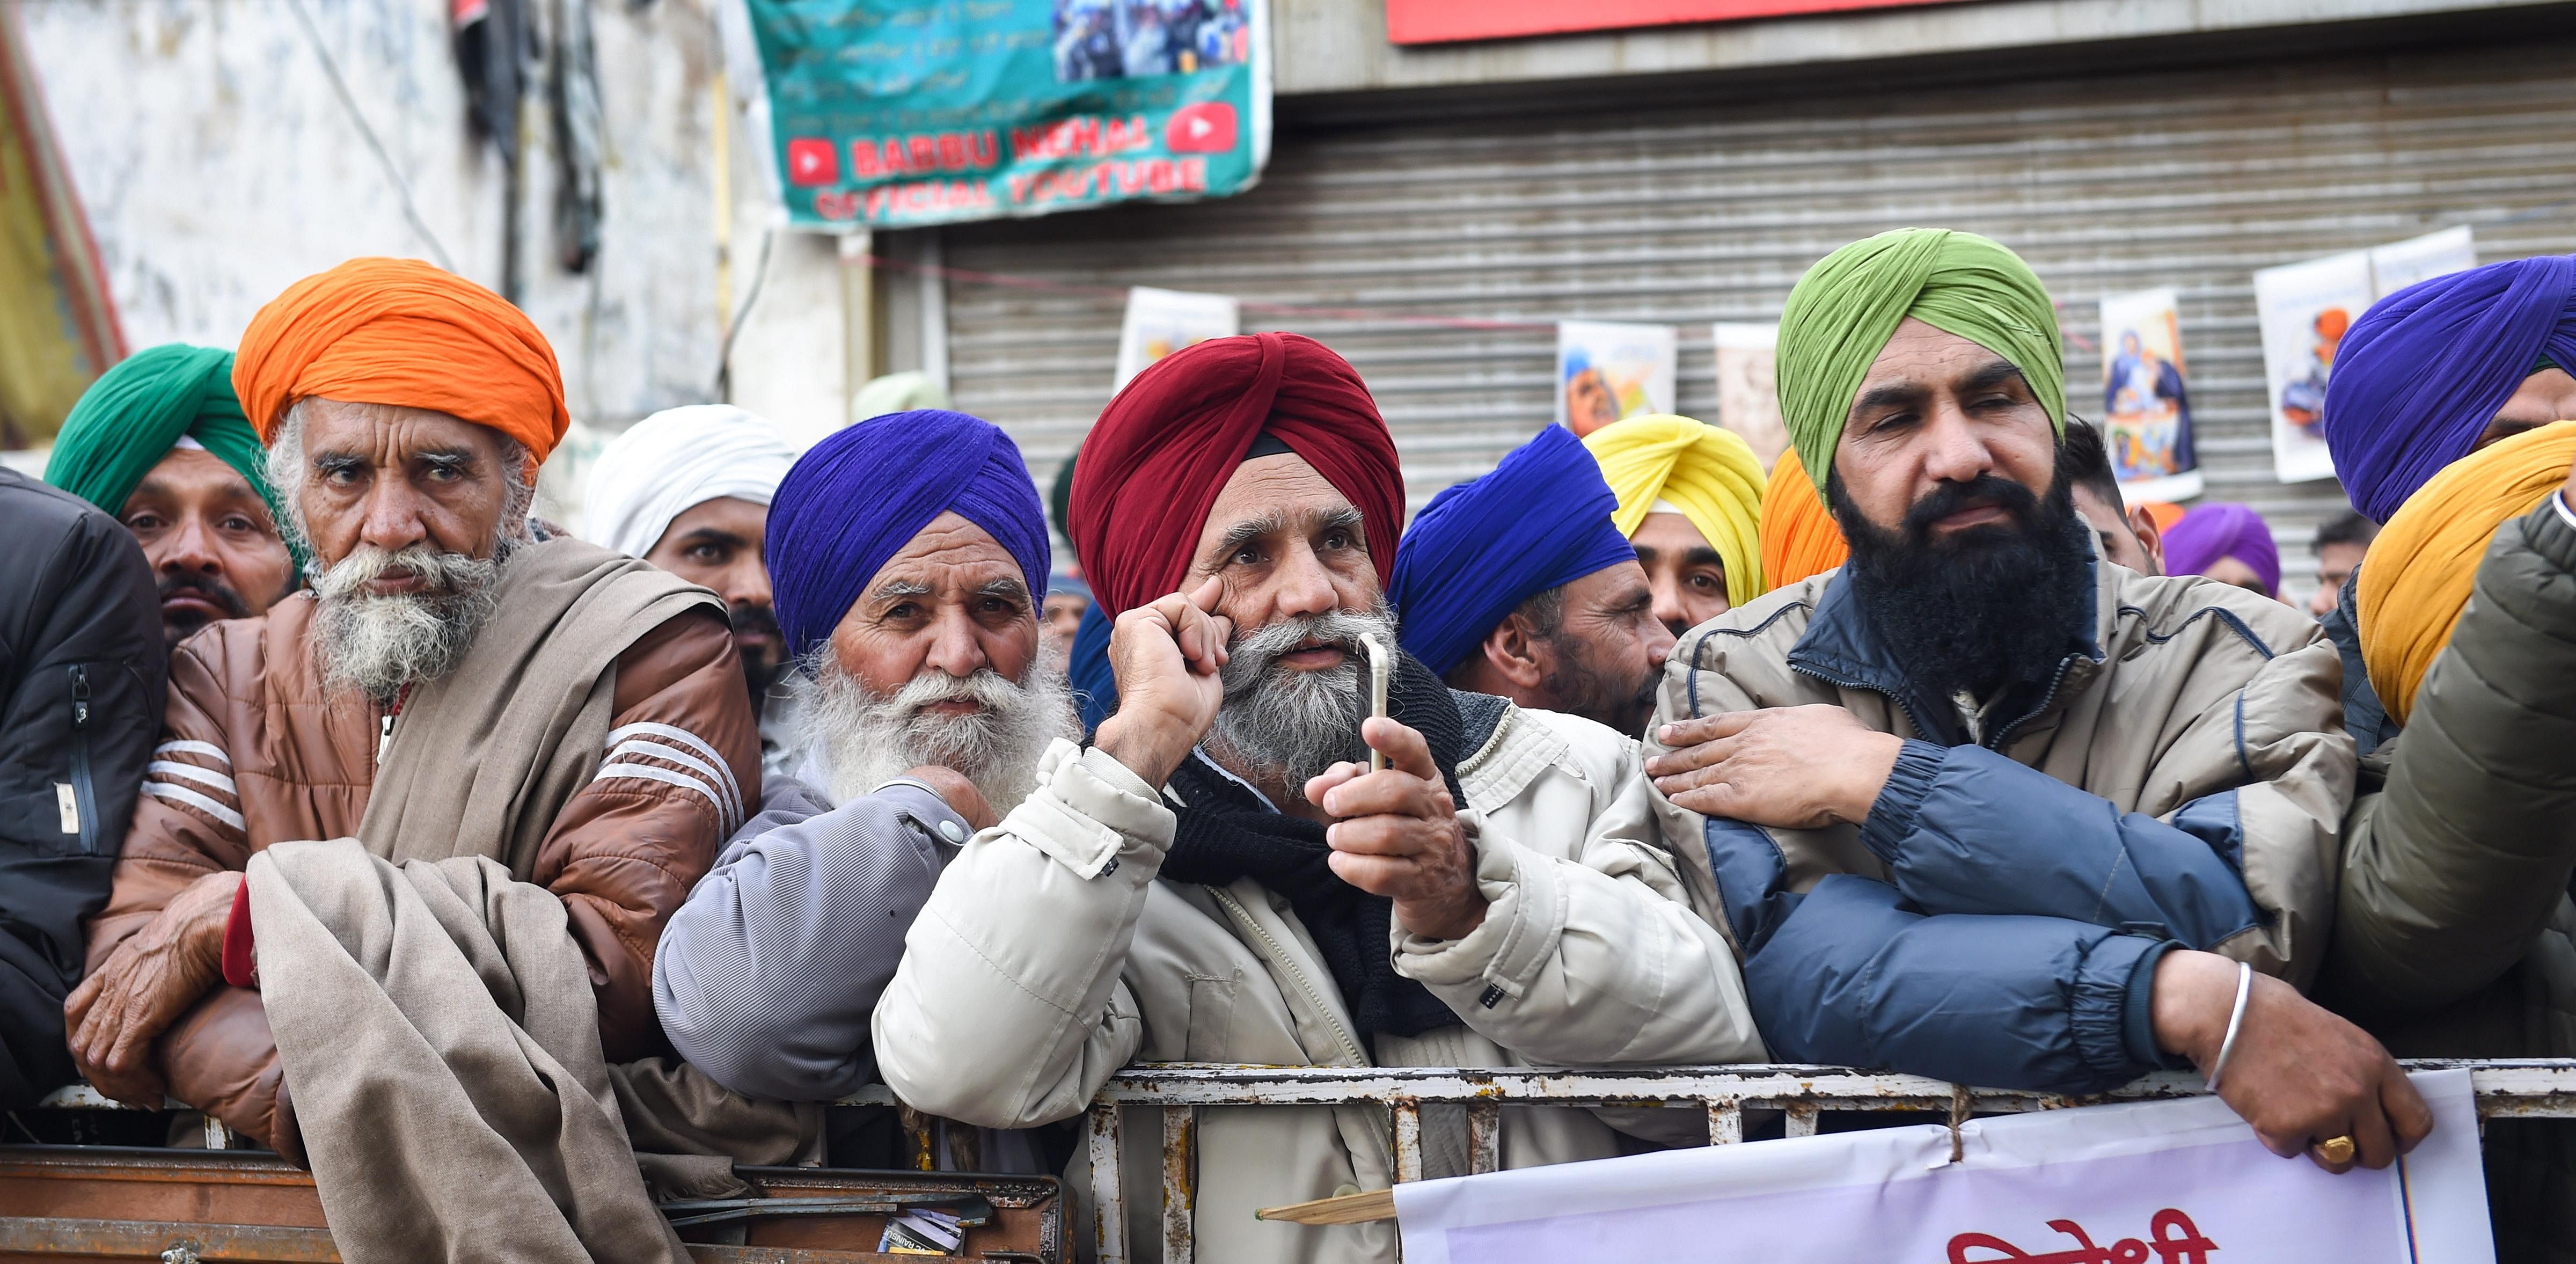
(401, 332)
(1799, 536)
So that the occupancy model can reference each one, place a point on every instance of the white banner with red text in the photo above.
(2176, 1182)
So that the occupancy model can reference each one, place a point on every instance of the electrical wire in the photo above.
(349, 102)
(724, 355)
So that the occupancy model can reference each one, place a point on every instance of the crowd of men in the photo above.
(510, 879)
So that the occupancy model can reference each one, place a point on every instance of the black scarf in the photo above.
(1225, 834)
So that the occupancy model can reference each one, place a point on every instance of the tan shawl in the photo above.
(484, 758)
(431, 1008)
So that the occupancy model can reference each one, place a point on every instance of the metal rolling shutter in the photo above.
(1687, 216)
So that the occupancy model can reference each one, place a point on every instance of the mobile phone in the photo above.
(1381, 671)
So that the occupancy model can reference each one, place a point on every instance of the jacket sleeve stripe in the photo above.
(687, 741)
(663, 750)
(646, 772)
(182, 794)
(182, 746)
(202, 776)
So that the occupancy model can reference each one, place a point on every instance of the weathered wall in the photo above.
(217, 166)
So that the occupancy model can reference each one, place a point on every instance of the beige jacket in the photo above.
(1049, 956)
(2182, 779)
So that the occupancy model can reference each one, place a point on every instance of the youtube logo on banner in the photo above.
(1205, 128)
(812, 160)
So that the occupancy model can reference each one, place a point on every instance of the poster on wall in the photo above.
(1606, 370)
(2304, 309)
(2174, 1182)
(1160, 322)
(894, 114)
(2146, 411)
(1748, 397)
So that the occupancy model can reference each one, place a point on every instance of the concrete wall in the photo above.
(217, 165)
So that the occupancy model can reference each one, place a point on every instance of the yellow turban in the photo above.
(2425, 562)
(1710, 475)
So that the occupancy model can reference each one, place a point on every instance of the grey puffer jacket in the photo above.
(2454, 934)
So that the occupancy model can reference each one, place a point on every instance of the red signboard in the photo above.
(1448, 21)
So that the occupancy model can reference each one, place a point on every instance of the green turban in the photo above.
(135, 413)
(1845, 309)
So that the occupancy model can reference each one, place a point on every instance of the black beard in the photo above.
(759, 671)
(1986, 609)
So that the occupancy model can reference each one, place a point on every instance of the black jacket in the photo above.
(83, 679)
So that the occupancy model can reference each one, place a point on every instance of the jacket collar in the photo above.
(1843, 647)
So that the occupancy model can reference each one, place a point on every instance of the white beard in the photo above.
(379, 643)
(856, 740)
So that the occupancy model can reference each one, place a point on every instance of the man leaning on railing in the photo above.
(1984, 806)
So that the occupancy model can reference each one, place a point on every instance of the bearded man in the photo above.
(160, 443)
(1212, 880)
(688, 490)
(448, 688)
(1982, 808)
(1519, 585)
(909, 551)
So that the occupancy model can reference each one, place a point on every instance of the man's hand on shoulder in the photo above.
(2298, 1074)
(1166, 656)
(147, 984)
(1397, 834)
(1787, 767)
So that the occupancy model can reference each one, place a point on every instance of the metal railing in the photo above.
(2505, 1089)
(2535, 1088)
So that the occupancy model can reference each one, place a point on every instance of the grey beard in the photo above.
(1295, 724)
(856, 740)
(379, 643)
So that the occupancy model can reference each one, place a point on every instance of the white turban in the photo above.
(674, 461)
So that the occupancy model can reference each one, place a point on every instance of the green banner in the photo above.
(895, 115)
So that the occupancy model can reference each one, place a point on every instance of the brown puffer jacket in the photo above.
(254, 752)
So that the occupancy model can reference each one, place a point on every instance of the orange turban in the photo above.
(398, 331)
(2424, 563)
(1799, 536)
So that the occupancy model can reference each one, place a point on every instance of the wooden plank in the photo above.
(1376, 1204)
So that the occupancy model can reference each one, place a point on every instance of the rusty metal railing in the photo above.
(2505, 1089)
(2522, 1088)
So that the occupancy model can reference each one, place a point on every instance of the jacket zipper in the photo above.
(1901, 704)
(84, 796)
(1276, 952)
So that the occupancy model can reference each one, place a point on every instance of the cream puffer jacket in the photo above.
(1049, 956)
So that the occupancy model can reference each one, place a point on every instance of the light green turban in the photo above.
(1843, 311)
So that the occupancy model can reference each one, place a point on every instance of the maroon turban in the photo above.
(1152, 467)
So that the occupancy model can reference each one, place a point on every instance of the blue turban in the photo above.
(1483, 547)
(2421, 374)
(1095, 686)
(858, 497)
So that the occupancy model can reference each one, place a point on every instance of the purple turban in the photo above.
(858, 497)
(2421, 374)
(1481, 548)
(2212, 531)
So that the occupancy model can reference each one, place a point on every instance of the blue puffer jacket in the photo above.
(1996, 920)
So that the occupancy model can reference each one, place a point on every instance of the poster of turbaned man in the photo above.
(2146, 408)
(1608, 371)
(2306, 307)
(2174, 1182)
